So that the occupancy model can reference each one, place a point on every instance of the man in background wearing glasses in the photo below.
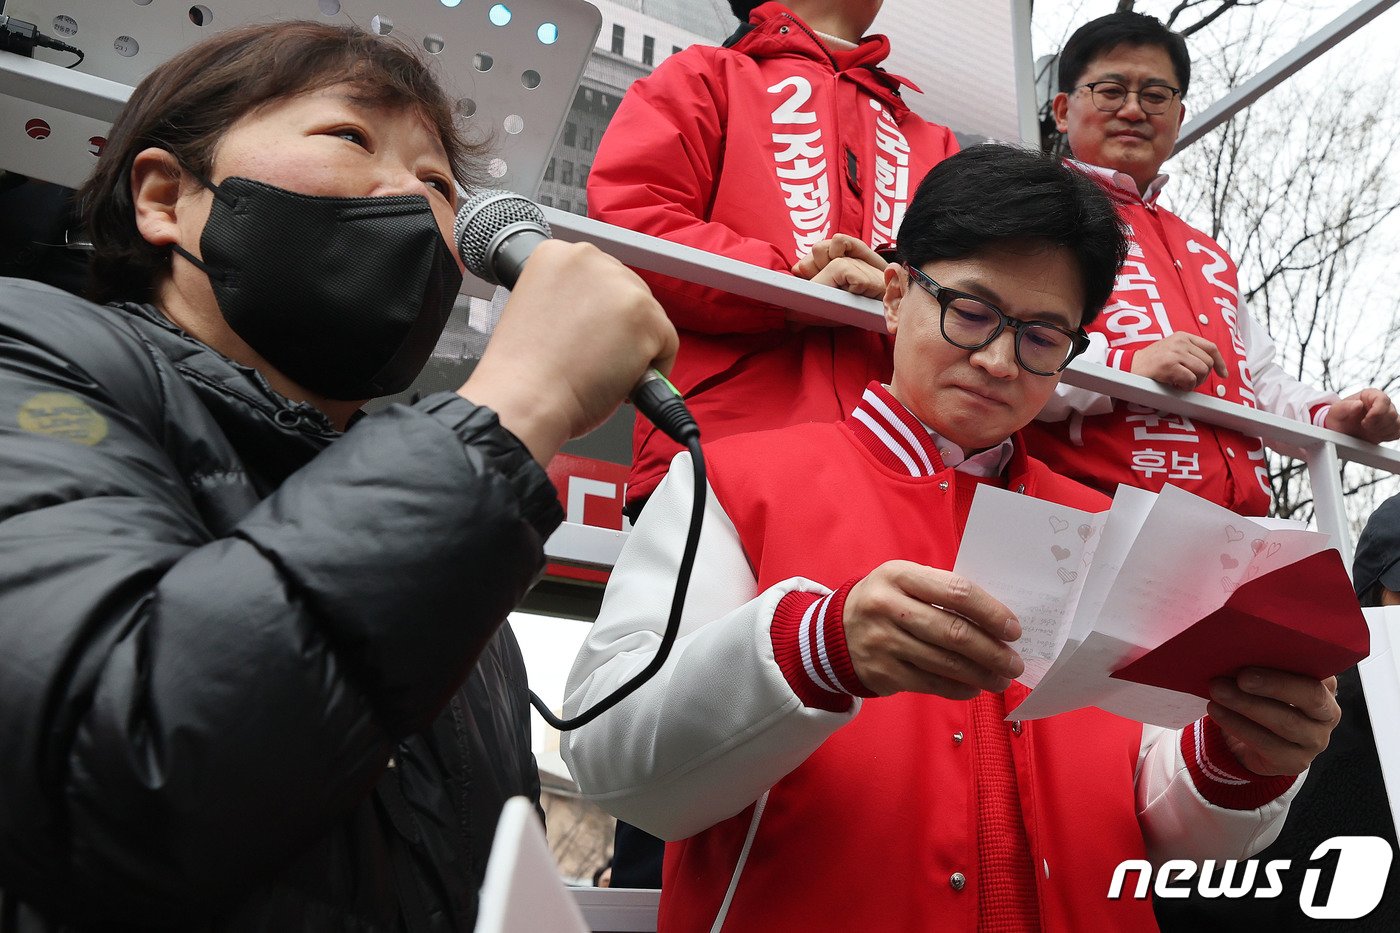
(1176, 315)
(823, 577)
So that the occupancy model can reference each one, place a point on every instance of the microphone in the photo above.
(495, 233)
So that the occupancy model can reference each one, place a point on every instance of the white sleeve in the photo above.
(1069, 400)
(718, 725)
(1178, 823)
(1277, 392)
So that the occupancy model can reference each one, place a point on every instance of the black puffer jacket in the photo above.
(217, 628)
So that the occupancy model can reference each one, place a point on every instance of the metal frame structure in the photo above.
(80, 94)
(512, 68)
(619, 910)
(1305, 52)
(1324, 450)
(586, 546)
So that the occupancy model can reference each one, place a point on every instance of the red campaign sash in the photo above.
(1174, 279)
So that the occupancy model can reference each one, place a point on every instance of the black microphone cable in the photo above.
(495, 232)
(673, 621)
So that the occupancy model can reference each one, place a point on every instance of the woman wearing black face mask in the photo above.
(235, 645)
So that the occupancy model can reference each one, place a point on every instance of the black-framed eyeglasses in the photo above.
(970, 323)
(1110, 96)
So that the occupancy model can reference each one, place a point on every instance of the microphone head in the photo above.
(484, 222)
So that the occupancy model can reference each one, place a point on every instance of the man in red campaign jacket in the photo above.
(788, 148)
(826, 745)
(1176, 314)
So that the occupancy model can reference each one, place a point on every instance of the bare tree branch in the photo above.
(1297, 190)
(1221, 8)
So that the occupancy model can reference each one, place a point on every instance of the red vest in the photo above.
(755, 152)
(869, 832)
(1175, 279)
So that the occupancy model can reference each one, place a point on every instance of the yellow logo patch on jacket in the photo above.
(58, 414)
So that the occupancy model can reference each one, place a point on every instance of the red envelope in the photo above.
(1302, 618)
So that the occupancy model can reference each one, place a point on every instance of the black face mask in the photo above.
(345, 296)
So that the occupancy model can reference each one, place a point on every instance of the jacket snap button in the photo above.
(958, 881)
(1016, 727)
(957, 738)
(287, 418)
(1220, 390)
(782, 30)
(943, 485)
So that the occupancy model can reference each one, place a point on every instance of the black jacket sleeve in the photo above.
(181, 712)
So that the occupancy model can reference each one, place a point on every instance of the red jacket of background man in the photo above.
(756, 151)
(1175, 279)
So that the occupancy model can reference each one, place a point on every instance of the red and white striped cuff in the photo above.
(1121, 360)
(1219, 776)
(809, 644)
(1320, 412)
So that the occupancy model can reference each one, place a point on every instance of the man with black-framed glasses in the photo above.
(1176, 315)
(970, 323)
(826, 746)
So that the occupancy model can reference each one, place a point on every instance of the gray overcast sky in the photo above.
(1291, 20)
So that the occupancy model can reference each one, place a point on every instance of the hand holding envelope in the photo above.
(1275, 722)
(1212, 591)
(1299, 618)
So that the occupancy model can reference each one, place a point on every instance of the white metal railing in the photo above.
(618, 910)
(1280, 70)
(1324, 450)
(76, 92)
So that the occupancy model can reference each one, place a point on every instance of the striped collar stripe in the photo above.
(894, 434)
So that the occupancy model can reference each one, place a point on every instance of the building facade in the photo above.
(637, 35)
